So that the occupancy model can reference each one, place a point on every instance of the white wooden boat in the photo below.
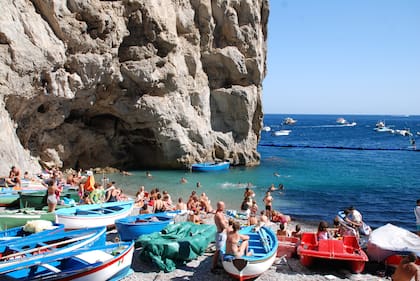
(93, 215)
(263, 242)
(31, 248)
(110, 262)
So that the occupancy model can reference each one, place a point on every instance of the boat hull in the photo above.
(130, 228)
(31, 249)
(264, 244)
(11, 219)
(92, 264)
(93, 215)
(210, 167)
(9, 199)
(346, 249)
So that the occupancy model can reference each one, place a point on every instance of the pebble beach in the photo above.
(288, 269)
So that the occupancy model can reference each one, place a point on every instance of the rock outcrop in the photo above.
(131, 83)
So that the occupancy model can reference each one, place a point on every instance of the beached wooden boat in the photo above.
(14, 218)
(263, 242)
(110, 262)
(94, 215)
(9, 235)
(131, 227)
(38, 199)
(29, 248)
(210, 166)
(346, 249)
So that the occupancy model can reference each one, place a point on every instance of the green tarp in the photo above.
(177, 243)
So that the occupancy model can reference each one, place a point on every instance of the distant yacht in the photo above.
(289, 121)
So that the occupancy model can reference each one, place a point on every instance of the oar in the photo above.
(44, 247)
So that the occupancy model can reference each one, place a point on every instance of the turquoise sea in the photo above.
(324, 167)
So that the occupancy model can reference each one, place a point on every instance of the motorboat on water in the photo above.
(382, 128)
(281, 133)
(289, 121)
(266, 129)
(344, 122)
(380, 124)
(341, 121)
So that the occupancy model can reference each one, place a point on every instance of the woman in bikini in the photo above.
(237, 244)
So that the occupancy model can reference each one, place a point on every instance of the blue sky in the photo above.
(343, 57)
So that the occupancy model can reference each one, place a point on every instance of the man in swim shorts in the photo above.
(222, 228)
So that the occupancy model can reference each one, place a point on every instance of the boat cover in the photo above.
(176, 243)
(390, 239)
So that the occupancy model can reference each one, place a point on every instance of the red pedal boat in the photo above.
(347, 249)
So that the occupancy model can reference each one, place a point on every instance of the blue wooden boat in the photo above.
(263, 242)
(130, 228)
(93, 215)
(210, 166)
(8, 236)
(30, 248)
(110, 262)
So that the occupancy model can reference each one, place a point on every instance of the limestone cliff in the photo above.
(131, 83)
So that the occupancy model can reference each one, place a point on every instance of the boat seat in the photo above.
(331, 246)
(94, 256)
(51, 267)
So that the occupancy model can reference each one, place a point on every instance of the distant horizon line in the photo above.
(344, 114)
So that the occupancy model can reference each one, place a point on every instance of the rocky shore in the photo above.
(288, 269)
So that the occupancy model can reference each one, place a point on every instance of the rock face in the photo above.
(131, 83)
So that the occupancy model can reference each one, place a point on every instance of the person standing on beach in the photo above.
(222, 228)
(417, 213)
(268, 201)
(407, 269)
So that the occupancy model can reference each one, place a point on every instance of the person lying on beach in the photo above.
(237, 244)
(407, 269)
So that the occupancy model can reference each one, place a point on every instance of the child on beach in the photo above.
(297, 232)
(282, 231)
(322, 233)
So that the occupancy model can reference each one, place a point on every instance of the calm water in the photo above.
(324, 167)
